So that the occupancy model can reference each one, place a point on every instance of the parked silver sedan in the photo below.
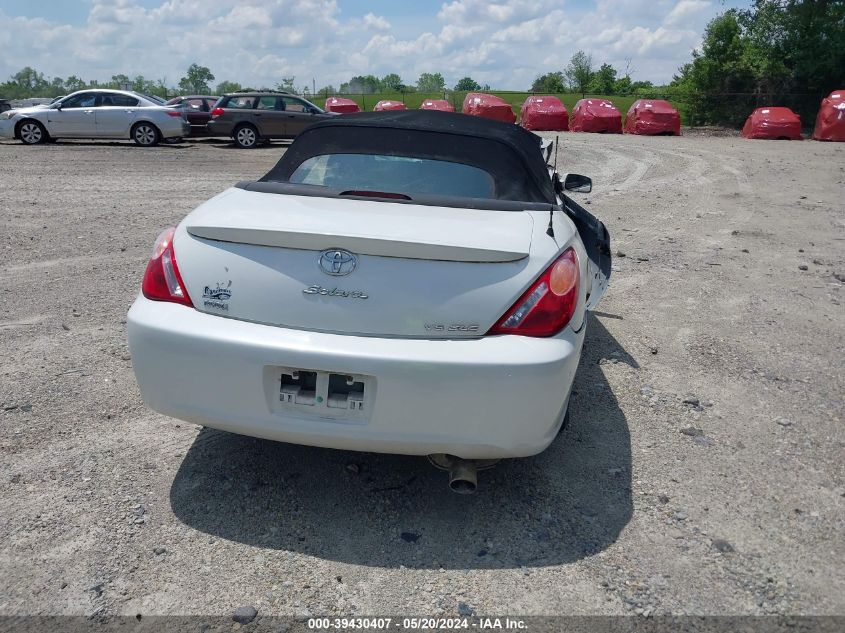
(114, 114)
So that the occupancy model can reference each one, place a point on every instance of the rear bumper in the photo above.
(7, 129)
(182, 129)
(774, 131)
(173, 128)
(216, 127)
(494, 397)
(650, 128)
(600, 125)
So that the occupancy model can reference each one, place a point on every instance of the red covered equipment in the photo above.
(488, 106)
(595, 115)
(339, 104)
(437, 104)
(775, 123)
(388, 104)
(544, 113)
(830, 122)
(652, 116)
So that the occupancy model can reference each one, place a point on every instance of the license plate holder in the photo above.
(337, 396)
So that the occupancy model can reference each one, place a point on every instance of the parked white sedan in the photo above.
(114, 114)
(408, 282)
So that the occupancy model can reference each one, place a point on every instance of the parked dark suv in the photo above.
(249, 117)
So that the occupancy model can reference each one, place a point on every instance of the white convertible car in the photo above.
(408, 282)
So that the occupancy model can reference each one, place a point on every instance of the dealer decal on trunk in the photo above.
(217, 297)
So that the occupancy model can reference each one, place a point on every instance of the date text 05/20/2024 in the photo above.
(445, 624)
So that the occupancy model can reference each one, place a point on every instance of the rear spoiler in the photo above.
(490, 204)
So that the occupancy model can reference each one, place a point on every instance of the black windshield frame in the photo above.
(510, 154)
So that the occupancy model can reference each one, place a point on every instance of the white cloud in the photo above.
(511, 11)
(641, 41)
(686, 9)
(505, 43)
(376, 22)
(243, 17)
(529, 32)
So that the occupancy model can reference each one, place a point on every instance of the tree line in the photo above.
(28, 82)
(775, 53)
(581, 76)
(427, 83)
(578, 77)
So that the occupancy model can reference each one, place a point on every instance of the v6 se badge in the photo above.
(454, 327)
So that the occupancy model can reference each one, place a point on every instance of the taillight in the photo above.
(216, 112)
(547, 306)
(174, 113)
(162, 281)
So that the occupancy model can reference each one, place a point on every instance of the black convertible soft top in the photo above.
(509, 153)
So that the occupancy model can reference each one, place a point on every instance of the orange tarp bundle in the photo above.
(488, 106)
(773, 123)
(339, 104)
(830, 122)
(387, 104)
(595, 115)
(652, 116)
(437, 104)
(545, 113)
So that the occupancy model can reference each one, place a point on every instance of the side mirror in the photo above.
(59, 105)
(577, 183)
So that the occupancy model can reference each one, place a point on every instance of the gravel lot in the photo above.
(702, 472)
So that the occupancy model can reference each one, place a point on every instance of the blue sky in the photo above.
(505, 43)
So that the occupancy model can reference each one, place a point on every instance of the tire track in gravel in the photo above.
(89, 456)
(629, 167)
(123, 441)
(41, 264)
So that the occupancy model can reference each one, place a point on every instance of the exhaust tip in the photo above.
(463, 476)
(463, 486)
(463, 473)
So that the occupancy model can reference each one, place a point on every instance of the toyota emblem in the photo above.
(337, 262)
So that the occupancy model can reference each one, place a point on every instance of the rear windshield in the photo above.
(431, 154)
(153, 98)
(395, 174)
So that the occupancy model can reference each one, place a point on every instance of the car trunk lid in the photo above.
(418, 271)
(366, 228)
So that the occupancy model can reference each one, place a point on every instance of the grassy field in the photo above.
(414, 99)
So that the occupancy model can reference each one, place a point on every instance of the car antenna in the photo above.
(551, 231)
